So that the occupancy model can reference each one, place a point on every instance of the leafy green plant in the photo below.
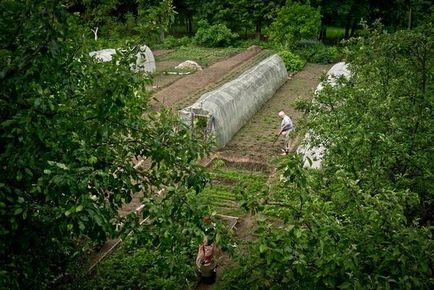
(294, 22)
(320, 53)
(334, 237)
(71, 128)
(173, 42)
(293, 62)
(217, 35)
(363, 220)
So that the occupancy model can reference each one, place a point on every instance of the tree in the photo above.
(71, 128)
(157, 17)
(99, 15)
(187, 9)
(257, 12)
(293, 22)
(363, 220)
(393, 100)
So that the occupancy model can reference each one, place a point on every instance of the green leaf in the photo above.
(18, 211)
(263, 248)
(345, 285)
(79, 208)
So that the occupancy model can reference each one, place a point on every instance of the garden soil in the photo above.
(188, 85)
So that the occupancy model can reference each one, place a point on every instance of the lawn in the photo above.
(202, 55)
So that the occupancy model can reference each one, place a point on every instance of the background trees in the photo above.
(293, 22)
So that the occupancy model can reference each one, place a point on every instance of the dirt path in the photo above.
(188, 85)
(255, 140)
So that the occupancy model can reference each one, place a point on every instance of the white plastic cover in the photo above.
(103, 55)
(315, 153)
(229, 107)
(145, 61)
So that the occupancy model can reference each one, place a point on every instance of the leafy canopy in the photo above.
(70, 129)
(294, 22)
(362, 221)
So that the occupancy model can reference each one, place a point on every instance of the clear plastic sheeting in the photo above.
(316, 153)
(229, 107)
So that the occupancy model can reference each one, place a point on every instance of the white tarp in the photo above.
(103, 55)
(315, 153)
(145, 61)
(229, 107)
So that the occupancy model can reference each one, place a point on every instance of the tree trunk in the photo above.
(409, 17)
(353, 28)
(348, 26)
(95, 33)
(161, 33)
(323, 33)
(258, 30)
(190, 25)
(349, 21)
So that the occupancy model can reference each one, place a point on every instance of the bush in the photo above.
(217, 35)
(320, 53)
(172, 42)
(325, 54)
(294, 22)
(293, 62)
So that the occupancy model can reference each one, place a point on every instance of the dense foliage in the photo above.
(293, 62)
(363, 221)
(293, 23)
(70, 130)
(155, 19)
(161, 253)
(217, 35)
(320, 53)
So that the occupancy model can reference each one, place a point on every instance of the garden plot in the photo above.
(229, 107)
(185, 86)
(251, 146)
(227, 194)
(167, 60)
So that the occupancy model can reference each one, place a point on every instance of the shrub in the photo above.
(294, 21)
(217, 35)
(172, 42)
(316, 52)
(293, 62)
(324, 54)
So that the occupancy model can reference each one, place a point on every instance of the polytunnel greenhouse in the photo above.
(315, 153)
(226, 109)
